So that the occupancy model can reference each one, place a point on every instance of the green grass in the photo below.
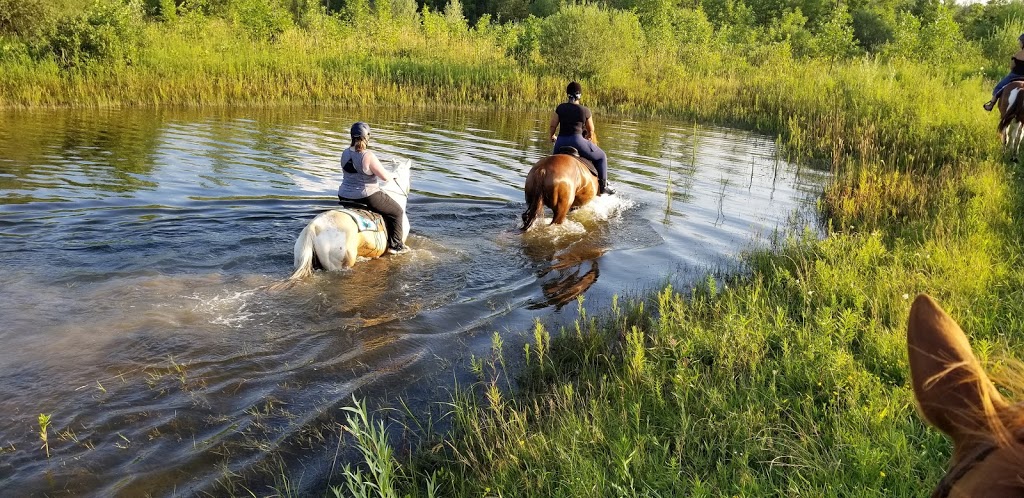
(791, 378)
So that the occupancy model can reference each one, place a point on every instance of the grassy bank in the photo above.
(791, 379)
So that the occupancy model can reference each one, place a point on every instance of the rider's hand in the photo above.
(554, 137)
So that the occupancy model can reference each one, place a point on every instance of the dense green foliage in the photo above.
(788, 380)
(130, 52)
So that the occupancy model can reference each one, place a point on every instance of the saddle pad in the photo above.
(366, 220)
(571, 151)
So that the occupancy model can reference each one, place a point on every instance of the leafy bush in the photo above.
(999, 46)
(942, 40)
(575, 42)
(873, 29)
(835, 41)
(694, 34)
(25, 18)
(261, 19)
(525, 41)
(791, 31)
(107, 31)
(164, 10)
(906, 41)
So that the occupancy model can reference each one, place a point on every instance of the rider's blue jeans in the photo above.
(588, 150)
(1005, 81)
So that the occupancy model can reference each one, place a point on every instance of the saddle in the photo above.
(366, 220)
(571, 151)
(1015, 79)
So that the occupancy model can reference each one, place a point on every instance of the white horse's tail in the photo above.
(304, 254)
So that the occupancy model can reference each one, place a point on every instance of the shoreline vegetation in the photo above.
(790, 379)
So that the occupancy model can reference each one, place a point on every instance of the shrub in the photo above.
(694, 33)
(835, 40)
(25, 18)
(999, 46)
(906, 40)
(261, 19)
(575, 42)
(525, 41)
(873, 29)
(107, 31)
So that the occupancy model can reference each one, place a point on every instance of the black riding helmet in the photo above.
(1020, 39)
(574, 90)
(360, 130)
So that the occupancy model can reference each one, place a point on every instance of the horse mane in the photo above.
(1005, 427)
(1008, 373)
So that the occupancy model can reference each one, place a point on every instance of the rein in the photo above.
(401, 191)
(946, 484)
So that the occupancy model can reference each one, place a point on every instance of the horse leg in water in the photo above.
(534, 205)
(562, 197)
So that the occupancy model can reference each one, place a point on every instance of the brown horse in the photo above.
(1011, 110)
(956, 396)
(561, 182)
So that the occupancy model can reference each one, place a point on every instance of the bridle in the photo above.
(966, 465)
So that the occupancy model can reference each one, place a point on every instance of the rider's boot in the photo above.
(989, 105)
(603, 188)
(398, 248)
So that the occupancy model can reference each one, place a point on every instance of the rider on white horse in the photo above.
(360, 171)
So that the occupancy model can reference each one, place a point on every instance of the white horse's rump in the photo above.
(333, 237)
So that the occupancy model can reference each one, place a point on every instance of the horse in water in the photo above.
(1011, 117)
(956, 396)
(337, 238)
(561, 182)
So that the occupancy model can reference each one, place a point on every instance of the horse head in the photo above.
(955, 394)
(398, 189)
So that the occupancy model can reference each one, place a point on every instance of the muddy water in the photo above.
(135, 248)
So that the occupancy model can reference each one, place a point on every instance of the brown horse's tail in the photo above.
(534, 197)
(1012, 109)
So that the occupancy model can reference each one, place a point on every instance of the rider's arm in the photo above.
(591, 132)
(553, 126)
(376, 167)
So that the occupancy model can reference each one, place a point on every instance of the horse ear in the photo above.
(953, 391)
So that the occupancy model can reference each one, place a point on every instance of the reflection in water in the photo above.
(135, 247)
(570, 278)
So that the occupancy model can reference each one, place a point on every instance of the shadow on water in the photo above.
(136, 248)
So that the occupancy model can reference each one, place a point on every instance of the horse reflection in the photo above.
(572, 271)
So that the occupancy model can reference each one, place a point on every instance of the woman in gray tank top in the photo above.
(360, 170)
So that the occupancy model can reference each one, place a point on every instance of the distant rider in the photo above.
(360, 171)
(572, 120)
(1016, 73)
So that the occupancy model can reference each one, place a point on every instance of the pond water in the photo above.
(136, 248)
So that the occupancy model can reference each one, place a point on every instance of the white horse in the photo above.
(337, 238)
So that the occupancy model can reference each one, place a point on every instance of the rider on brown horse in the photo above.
(573, 122)
(1016, 73)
